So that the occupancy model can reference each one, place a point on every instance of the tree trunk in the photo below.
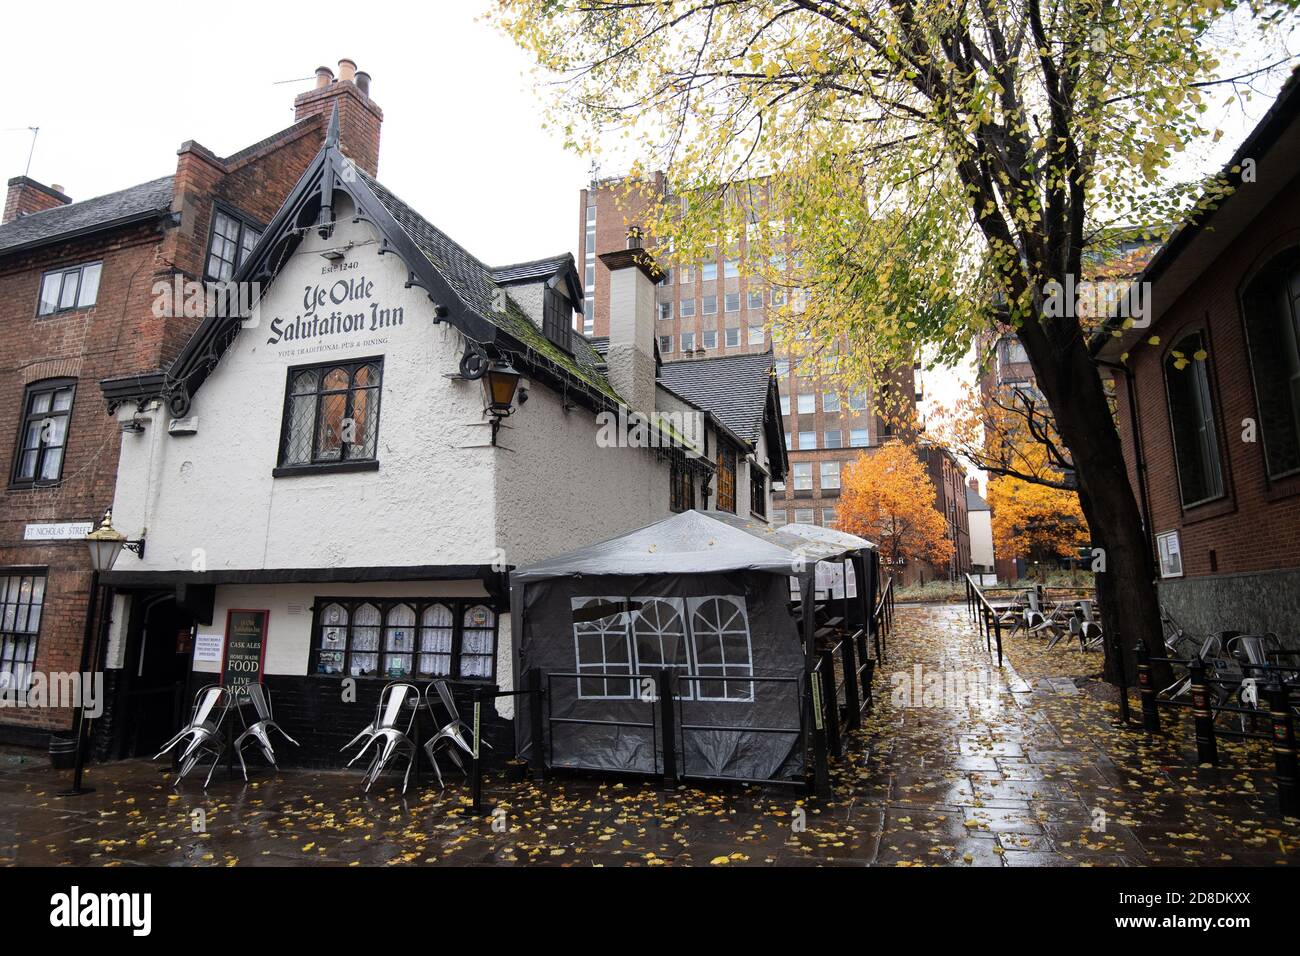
(1126, 591)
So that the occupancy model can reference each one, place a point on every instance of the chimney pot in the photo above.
(347, 70)
(634, 237)
(324, 77)
(56, 187)
(362, 80)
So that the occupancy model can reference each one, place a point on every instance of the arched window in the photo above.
(720, 639)
(659, 639)
(399, 641)
(365, 641)
(1191, 417)
(1271, 308)
(436, 630)
(477, 636)
(333, 639)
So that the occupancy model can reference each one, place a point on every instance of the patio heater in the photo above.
(105, 544)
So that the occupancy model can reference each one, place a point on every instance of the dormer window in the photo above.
(231, 241)
(556, 318)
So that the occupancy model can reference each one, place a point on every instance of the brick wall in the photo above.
(26, 196)
(117, 336)
(1256, 525)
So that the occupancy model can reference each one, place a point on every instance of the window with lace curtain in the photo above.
(401, 638)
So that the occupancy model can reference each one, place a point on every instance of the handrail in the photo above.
(984, 615)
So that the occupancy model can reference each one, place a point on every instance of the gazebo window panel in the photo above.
(659, 640)
(721, 644)
(602, 647)
(405, 637)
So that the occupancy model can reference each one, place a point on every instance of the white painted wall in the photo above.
(212, 497)
(981, 538)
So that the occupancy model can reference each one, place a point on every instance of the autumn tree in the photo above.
(1035, 520)
(938, 165)
(887, 497)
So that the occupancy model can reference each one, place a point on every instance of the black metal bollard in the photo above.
(1279, 706)
(537, 717)
(852, 700)
(1207, 747)
(664, 681)
(820, 781)
(477, 791)
(832, 705)
(1147, 691)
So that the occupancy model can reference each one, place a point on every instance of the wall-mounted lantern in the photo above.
(500, 381)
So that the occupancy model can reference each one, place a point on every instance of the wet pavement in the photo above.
(958, 764)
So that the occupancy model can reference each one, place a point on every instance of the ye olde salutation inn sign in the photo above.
(314, 323)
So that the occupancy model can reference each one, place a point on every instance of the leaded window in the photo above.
(726, 479)
(22, 597)
(397, 638)
(331, 413)
(681, 486)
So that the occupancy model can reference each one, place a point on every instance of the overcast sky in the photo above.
(117, 87)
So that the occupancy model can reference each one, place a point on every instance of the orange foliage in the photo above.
(1035, 520)
(888, 498)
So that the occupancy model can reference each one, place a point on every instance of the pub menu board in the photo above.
(245, 648)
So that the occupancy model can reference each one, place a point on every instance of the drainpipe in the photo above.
(1139, 459)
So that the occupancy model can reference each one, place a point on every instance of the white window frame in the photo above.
(1169, 548)
(602, 666)
(724, 669)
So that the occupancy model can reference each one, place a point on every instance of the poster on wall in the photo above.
(245, 650)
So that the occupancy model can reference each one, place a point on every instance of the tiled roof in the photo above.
(474, 283)
(974, 502)
(536, 270)
(733, 387)
(89, 214)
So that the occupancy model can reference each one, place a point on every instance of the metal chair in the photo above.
(211, 706)
(451, 734)
(260, 729)
(390, 739)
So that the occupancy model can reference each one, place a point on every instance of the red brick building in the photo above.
(708, 309)
(1208, 397)
(77, 304)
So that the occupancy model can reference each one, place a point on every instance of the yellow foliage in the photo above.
(1035, 520)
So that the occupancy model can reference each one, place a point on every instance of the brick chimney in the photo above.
(630, 356)
(973, 484)
(359, 116)
(27, 196)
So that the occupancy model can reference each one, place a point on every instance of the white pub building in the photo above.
(337, 486)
